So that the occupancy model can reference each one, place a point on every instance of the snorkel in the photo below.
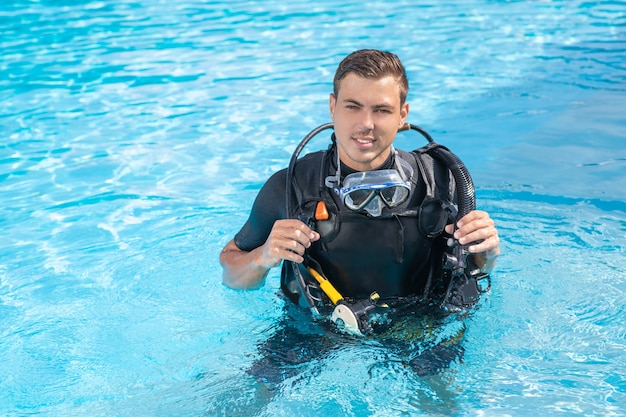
(353, 316)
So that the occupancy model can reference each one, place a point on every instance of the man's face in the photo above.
(367, 115)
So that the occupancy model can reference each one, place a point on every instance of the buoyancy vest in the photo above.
(393, 255)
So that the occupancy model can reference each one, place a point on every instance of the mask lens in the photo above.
(357, 199)
(394, 196)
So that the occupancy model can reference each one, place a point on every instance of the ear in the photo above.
(332, 101)
(404, 113)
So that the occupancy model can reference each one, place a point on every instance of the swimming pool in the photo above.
(135, 135)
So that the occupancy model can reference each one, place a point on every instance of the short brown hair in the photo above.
(373, 64)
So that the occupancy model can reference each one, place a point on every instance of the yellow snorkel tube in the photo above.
(326, 286)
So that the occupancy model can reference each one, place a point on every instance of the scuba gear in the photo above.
(407, 261)
(351, 317)
(465, 281)
(326, 286)
(368, 190)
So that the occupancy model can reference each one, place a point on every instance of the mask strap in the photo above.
(429, 178)
(402, 165)
(332, 181)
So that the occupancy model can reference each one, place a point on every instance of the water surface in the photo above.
(136, 134)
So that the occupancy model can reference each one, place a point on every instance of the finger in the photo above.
(290, 255)
(471, 217)
(304, 236)
(278, 249)
(483, 223)
(469, 222)
(287, 227)
(294, 241)
(470, 235)
(481, 240)
(488, 246)
(288, 240)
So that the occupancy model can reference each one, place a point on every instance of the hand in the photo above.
(477, 230)
(288, 240)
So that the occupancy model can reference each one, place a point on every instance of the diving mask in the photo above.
(369, 190)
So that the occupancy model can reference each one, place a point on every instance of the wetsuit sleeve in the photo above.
(268, 207)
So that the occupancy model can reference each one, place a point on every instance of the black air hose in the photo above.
(292, 163)
(466, 198)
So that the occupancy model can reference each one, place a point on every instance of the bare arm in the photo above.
(242, 269)
(288, 240)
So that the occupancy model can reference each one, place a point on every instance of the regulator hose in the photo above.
(292, 163)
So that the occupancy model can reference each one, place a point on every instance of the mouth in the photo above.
(364, 143)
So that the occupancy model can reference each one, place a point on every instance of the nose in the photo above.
(367, 121)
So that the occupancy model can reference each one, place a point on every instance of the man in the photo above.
(374, 245)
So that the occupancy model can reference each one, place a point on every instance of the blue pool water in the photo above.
(135, 134)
